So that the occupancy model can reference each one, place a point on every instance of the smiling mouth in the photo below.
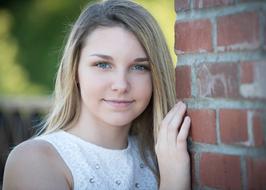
(119, 103)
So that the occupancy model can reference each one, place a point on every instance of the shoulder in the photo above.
(32, 150)
(35, 165)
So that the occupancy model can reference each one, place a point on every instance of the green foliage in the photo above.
(13, 78)
(31, 38)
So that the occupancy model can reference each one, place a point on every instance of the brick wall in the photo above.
(221, 75)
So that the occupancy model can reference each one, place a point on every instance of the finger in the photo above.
(183, 133)
(175, 124)
(169, 116)
(162, 136)
(178, 117)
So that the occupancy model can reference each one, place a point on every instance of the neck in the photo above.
(100, 133)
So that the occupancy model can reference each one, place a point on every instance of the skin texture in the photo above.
(115, 86)
(36, 165)
(171, 150)
(111, 70)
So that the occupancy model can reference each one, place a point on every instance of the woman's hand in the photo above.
(171, 150)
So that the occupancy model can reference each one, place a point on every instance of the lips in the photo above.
(118, 104)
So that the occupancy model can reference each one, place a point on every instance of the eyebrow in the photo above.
(107, 57)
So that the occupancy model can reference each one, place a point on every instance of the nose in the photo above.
(120, 82)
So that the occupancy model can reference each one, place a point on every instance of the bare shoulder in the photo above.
(34, 164)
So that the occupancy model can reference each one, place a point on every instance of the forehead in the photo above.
(114, 41)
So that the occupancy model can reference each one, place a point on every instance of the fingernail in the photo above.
(177, 105)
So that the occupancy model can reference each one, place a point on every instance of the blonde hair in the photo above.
(66, 109)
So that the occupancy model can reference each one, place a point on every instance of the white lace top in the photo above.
(95, 167)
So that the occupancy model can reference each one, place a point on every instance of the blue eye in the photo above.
(103, 65)
(140, 67)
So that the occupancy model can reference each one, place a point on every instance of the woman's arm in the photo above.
(34, 165)
(171, 150)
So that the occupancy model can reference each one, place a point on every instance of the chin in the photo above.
(119, 121)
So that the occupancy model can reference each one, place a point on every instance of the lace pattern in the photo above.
(95, 167)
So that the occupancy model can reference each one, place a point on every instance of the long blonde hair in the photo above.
(66, 108)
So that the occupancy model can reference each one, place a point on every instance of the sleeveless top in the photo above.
(96, 167)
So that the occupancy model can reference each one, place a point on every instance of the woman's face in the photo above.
(114, 77)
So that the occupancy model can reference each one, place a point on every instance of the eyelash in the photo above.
(100, 64)
(143, 67)
(138, 67)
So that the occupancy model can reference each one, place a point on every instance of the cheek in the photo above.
(144, 87)
(91, 85)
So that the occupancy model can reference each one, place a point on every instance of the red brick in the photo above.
(258, 129)
(220, 171)
(181, 5)
(203, 126)
(183, 81)
(236, 33)
(233, 126)
(212, 3)
(193, 36)
(217, 80)
(246, 72)
(256, 169)
(257, 89)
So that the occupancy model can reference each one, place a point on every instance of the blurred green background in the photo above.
(31, 40)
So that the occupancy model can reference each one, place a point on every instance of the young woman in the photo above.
(115, 123)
